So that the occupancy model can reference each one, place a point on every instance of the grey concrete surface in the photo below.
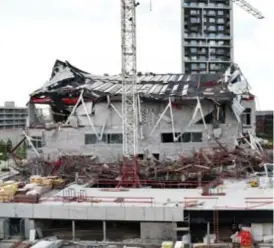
(89, 212)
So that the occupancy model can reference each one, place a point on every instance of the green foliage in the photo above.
(3, 150)
(6, 146)
(9, 145)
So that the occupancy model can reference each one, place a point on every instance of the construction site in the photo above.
(135, 159)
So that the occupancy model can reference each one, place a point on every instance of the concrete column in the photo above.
(28, 225)
(208, 233)
(104, 231)
(73, 230)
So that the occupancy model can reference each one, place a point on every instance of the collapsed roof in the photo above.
(68, 84)
(67, 81)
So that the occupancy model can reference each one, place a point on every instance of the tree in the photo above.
(3, 150)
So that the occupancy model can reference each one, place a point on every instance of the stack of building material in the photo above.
(23, 196)
(36, 179)
(7, 191)
(59, 183)
(50, 181)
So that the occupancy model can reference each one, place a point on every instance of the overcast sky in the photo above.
(34, 33)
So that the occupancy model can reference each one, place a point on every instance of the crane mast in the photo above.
(129, 100)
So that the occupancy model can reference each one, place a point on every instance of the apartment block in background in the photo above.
(12, 117)
(207, 35)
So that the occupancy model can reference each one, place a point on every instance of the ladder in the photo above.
(216, 224)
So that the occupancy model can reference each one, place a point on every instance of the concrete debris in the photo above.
(208, 164)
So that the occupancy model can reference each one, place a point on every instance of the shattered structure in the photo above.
(178, 114)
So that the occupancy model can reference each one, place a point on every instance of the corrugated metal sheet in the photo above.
(149, 85)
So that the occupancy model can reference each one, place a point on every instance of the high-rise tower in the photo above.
(207, 35)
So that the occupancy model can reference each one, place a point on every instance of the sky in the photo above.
(34, 33)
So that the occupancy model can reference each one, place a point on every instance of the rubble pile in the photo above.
(208, 163)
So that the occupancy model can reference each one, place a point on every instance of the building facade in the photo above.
(12, 122)
(207, 35)
(12, 117)
(177, 114)
(264, 124)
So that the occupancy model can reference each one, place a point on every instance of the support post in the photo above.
(31, 143)
(104, 231)
(208, 233)
(160, 118)
(73, 230)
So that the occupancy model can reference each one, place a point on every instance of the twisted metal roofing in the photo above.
(66, 78)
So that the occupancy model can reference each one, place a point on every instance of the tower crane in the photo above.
(248, 8)
(129, 98)
(130, 120)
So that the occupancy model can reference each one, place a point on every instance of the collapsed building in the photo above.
(178, 114)
(195, 132)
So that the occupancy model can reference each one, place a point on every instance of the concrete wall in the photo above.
(154, 231)
(73, 139)
(90, 212)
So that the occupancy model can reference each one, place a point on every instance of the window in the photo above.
(212, 20)
(185, 137)
(202, 58)
(168, 137)
(202, 51)
(195, 20)
(246, 116)
(193, 50)
(212, 51)
(110, 138)
(115, 138)
(220, 12)
(213, 66)
(90, 139)
(194, 12)
(37, 141)
(211, 12)
(193, 66)
(221, 28)
(196, 137)
(221, 20)
(202, 65)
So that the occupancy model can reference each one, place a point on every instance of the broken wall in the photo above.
(107, 121)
